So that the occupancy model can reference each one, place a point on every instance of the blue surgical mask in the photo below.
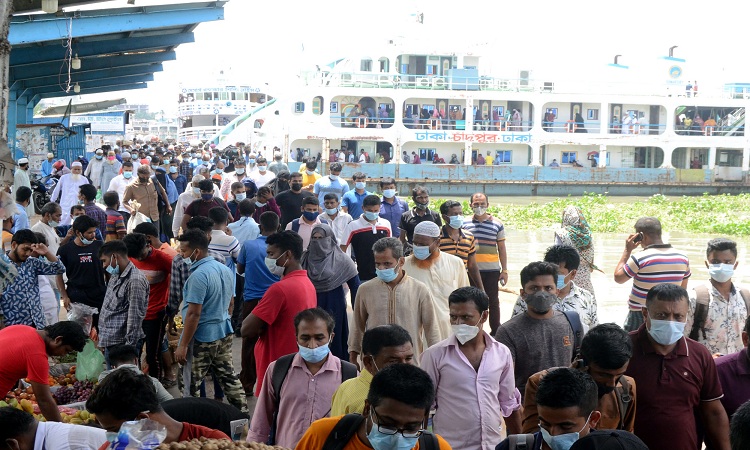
(99, 156)
(381, 441)
(197, 191)
(721, 272)
(86, 241)
(241, 196)
(360, 185)
(456, 222)
(666, 332)
(387, 275)
(188, 261)
(561, 281)
(369, 215)
(331, 211)
(309, 172)
(113, 270)
(314, 355)
(333, 177)
(422, 252)
(127, 174)
(219, 171)
(172, 169)
(53, 223)
(389, 193)
(562, 441)
(251, 161)
(310, 215)
(239, 171)
(259, 204)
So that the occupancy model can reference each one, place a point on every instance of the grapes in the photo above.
(79, 391)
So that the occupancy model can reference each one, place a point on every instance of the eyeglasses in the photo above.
(409, 434)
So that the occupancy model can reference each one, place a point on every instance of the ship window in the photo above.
(365, 65)
(503, 156)
(569, 157)
(199, 96)
(317, 105)
(299, 107)
(224, 96)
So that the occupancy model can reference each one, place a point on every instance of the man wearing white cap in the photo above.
(47, 165)
(67, 190)
(441, 272)
(126, 156)
(21, 178)
(94, 169)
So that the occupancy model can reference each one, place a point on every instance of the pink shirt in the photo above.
(469, 403)
(305, 398)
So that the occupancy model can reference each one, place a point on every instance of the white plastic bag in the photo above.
(82, 315)
(135, 220)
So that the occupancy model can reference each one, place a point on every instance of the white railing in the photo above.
(199, 133)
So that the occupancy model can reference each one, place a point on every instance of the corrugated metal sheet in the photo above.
(68, 146)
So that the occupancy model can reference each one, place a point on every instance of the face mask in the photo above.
(219, 171)
(389, 193)
(666, 332)
(239, 171)
(99, 157)
(561, 284)
(166, 161)
(53, 223)
(154, 167)
(310, 215)
(127, 174)
(479, 210)
(456, 222)
(111, 159)
(113, 270)
(206, 163)
(273, 267)
(313, 355)
(251, 161)
(143, 180)
(562, 441)
(369, 215)
(382, 441)
(721, 272)
(387, 275)
(333, 177)
(240, 197)
(259, 204)
(360, 185)
(85, 241)
(172, 169)
(421, 206)
(296, 187)
(309, 172)
(464, 332)
(422, 252)
(197, 191)
(207, 197)
(541, 302)
(331, 211)
(188, 261)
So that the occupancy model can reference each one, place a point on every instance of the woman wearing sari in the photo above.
(328, 269)
(575, 232)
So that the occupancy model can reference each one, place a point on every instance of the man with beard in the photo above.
(441, 272)
(67, 190)
(543, 337)
(605, 353)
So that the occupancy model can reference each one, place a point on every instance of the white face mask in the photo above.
(465, 332)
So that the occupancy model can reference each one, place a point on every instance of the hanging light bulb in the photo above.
(76, 88)
(75, 63)
(49, 6)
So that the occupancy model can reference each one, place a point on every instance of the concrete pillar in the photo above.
(667, 163)
(602, 154)
(325, 155)
(536, 150)
(745, 159)
(469, 128)
(712, 158)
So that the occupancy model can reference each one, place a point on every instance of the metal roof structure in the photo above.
(120, 49)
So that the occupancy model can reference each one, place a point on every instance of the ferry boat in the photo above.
(509, 133)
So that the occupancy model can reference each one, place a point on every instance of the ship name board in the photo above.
(222, 89)
(460, 136)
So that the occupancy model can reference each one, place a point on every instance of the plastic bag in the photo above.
(135, 220)
(83, 315)
(90, 363)
(144, 434)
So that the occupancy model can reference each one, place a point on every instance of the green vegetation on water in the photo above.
(727, 215)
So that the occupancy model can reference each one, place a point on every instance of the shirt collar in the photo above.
(200, 262)
(446, 233)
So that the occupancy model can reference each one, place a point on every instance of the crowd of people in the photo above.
(237, 248)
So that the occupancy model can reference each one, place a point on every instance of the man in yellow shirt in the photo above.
(489, 160)
(309, 175)
(381, 347)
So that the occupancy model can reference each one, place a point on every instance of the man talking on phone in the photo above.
(657, 263)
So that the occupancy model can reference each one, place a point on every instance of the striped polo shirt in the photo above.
(486, 235)
(655, 265)
(463, 248)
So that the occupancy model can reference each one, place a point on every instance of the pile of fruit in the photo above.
(216, 444)
(77, 417)
(23, 404)
(66, 379)
(21, 394)
(79, 391)
(69, 415)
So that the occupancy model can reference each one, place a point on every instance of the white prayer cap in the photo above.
(50, 155)
(427, 228)
(76, 164)
(99, 151)
(198, 178)
(23, 161)
(126, 155)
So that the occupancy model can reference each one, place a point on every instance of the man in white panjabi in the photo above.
(67, 190)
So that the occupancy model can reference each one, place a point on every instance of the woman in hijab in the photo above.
(575, 232)
(329, 268)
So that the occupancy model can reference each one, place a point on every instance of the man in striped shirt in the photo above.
(491, 255)
(657, 263)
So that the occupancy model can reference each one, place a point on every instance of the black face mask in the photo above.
(541, 302)
(604, 390)
(296, 187)
(143, 180)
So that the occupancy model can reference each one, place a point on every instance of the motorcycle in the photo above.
(41, 191)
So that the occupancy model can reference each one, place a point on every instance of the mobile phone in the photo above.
(638, 238)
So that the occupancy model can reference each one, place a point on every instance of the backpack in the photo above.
(342, 433)
(575, 323)
(623, 399)
(295, 224)
(702, 299)
(280, 371)
(521, 442)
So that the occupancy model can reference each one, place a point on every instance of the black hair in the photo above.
(666, 292)
(71, 333)
(247, 207)
(470, 294)
(50, 208)
(358, 175)
(649, 226)
(371, 200)
(536, 269)
(563, 254)
(447, 205)
(82, 223)
(237, 185)
(471, 197)
(196, 239)
(747, 325)
(155, 160)
(739, 429)
(147, 228)
(310, 201)
(286, 241)
(264, 190)
(565, 387)
(123, 394)
(122, 354)
(23, 193)
(608, 346)
(206, 185)
(405, 383)
(376, 339)
(330, 196)
(335, 167)
(219, 215)
(25, 236)
(40, 238)
(201, 223)
(75, 208)
(386, 180)
(313, 314)
(721, 244)
(269, 221)
(417, 190)
(284, 175)
(311, 165)
(127, 163)
(261, 160)
(135, 243)
(295, 175)
(111, 247)
(111, 198)
(16, 422)
(89, 192)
